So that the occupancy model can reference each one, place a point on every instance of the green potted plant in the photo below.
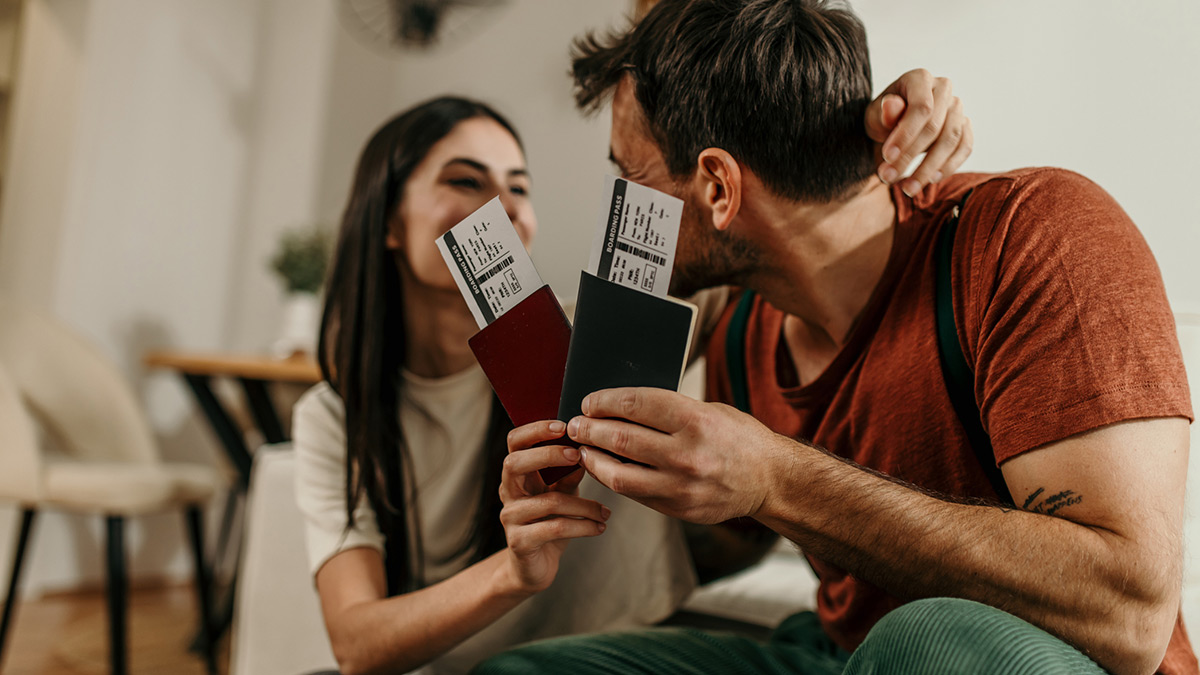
(300, 261)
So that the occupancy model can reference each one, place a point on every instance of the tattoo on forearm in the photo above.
(1032, 497)
(1052, 504)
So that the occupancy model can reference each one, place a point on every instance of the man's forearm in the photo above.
(1092, 587)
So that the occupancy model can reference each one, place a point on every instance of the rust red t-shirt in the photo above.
(1061, 314)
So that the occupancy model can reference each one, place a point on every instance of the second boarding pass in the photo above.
(635, 238)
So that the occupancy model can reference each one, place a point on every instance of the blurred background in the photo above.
(153, 153)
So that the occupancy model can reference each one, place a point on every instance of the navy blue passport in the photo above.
(623, 338)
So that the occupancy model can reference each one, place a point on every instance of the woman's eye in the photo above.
(465, 183)
(518, 190)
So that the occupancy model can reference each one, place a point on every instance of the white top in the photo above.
(636, 573)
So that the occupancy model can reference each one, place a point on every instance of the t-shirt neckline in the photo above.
(864, 330)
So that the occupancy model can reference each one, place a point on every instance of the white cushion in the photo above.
(278, 629)
(125, 488)
(765, 594)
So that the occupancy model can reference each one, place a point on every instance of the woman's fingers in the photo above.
(538, 534)
(522, 462)
(936, 163)
(883, 114)
(552, 505)
(520, 478)
(570, 482)
(928, 119)
(531, 434)
(961, 153)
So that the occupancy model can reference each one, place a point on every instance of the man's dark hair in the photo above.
(782, 85)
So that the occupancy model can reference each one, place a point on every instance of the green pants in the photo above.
(940, 635)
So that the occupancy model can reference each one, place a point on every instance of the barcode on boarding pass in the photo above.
(495, 269)
(644, 255)
(489, 263)
(634, 243)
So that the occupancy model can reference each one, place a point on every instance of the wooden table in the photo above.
(254, 374)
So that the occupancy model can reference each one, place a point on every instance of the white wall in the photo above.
(1106, 88)
(121, 214)
(515, 58)
(290, 108)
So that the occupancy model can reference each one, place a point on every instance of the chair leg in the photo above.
(195, 523)
(116, 594)
(15, 580)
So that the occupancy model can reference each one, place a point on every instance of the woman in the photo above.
(455, 578)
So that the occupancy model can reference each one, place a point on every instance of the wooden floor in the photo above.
(67, 634)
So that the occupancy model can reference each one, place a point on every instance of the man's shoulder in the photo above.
(1040, 208)
(1008, 187)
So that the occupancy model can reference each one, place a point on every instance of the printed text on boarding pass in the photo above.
(489, 263)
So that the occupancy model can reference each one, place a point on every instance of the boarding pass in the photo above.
(489, 263)
(634, 243)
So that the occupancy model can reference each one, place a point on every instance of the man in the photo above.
(747, 110)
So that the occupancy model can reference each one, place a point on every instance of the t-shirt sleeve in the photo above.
(319, 438)
(1064, 319)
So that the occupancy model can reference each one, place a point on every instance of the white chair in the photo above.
(58, 392)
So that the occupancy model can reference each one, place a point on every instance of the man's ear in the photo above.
(720, 183)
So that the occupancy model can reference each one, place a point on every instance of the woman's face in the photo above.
(477, 160)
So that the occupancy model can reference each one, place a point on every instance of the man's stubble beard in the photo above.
(712, 258)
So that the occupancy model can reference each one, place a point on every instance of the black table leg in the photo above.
(227, 432)
(234, 445)
(263, 410)
(230, 437)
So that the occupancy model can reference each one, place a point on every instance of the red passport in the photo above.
(524, 355)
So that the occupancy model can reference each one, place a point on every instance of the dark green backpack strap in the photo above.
(735, 351)
(959, 380)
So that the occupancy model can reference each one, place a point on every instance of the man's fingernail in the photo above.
(937, 177)
(888, 174)
(601, 526)
(557, 427)
(891, 154)
(573, 427)
(572, 454)
(582, 455)
(910, 187)
(587, 403)
(605, 512)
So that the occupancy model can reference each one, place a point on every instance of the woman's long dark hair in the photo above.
(362, 345)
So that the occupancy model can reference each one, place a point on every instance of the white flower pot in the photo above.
(301, 321)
